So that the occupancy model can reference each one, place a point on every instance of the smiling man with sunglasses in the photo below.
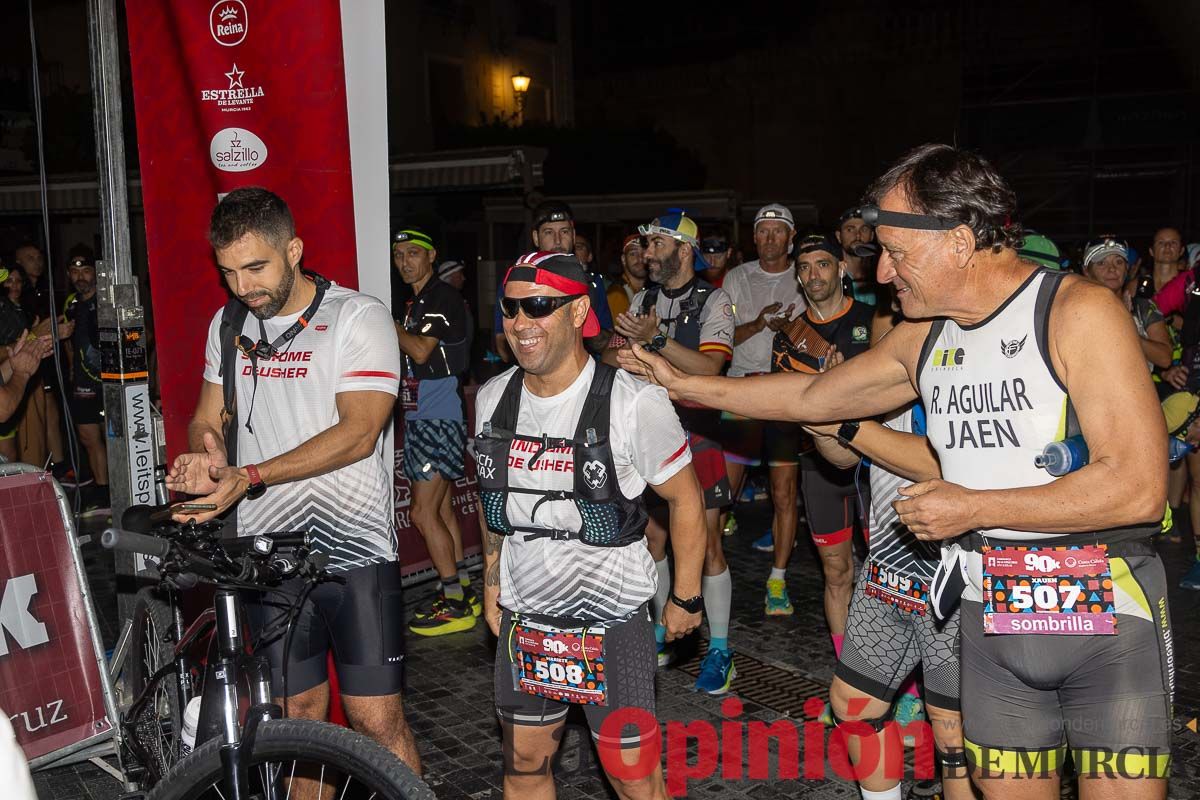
(564, 449)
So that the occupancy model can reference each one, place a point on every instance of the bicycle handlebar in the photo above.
(130, 542)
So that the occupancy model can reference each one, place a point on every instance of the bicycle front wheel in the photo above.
(330, 761)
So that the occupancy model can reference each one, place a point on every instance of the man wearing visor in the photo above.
(1065, 631)
(565, 448)
(690, 322)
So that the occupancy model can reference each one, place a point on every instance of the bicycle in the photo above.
(239, 754)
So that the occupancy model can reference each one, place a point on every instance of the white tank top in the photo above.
(991, 397)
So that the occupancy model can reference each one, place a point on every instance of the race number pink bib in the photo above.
(1059, 590)
(408, 393)
(561, 665)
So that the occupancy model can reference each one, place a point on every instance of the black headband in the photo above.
(874, 216)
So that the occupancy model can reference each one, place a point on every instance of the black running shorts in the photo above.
(630, 663)
(1027, 697)
(362, 621)
(831, 500)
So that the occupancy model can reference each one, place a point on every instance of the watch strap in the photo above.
(693, 605)
(252, 473)
(847, 432)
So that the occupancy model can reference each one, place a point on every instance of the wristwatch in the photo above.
(257, 488)
(657, 343)
(693, 605)
(847, 432)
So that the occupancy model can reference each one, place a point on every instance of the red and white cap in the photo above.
(561, 271)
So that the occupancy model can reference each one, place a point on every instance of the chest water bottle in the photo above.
(1177, 449)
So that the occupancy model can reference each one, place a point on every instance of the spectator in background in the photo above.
(554, 232)
(583, 251)
(718, 252)
(1183, 422)
(1166, 250)
(852, 233)
(41, 431)
(1038, 249)
(86, 398)
(14, 287)
(633, 275)
(453, 273)
(1105, 262)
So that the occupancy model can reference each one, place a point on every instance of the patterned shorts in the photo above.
(434, 447)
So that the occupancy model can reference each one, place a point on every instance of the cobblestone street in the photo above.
(781, 663)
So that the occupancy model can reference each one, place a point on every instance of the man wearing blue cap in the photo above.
(690, 322)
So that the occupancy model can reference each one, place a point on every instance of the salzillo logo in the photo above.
(1010, 349)
(237, 150)
(228, 23)
(595, 474)
(238, 97)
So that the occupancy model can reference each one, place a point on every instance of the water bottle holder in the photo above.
(493, 511)
(601, 523)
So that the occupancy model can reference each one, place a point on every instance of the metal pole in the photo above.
(129, 425)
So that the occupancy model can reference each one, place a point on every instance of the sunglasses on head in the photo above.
(534, 307)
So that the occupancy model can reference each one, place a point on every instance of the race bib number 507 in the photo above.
(1052, 590)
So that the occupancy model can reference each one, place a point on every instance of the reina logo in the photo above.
(238, 97)
(948, 358)
(237, 150)
(228, 23)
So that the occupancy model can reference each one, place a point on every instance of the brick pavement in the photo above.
(449, 697)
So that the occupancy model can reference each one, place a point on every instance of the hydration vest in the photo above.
(687, 320)
(609, 518)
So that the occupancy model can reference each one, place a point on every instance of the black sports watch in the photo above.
(657, 343)
(847, 432)
(257, 488)
(693, 605)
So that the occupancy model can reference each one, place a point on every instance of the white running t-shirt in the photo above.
(752, 289)
(569, 578)
(349, 346)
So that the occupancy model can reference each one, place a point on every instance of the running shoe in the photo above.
(778, 603)
(469, 595)
(730, 525)
(1192, 579)
(448, 616)
(666, 655)
(716, 672)
(766, 542)
(747, 493)
(826, 717)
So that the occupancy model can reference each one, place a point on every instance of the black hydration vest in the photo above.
(687, 320)
(609, 518)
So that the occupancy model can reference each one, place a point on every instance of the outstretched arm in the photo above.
(873, 383)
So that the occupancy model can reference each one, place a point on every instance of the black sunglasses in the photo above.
(534, 307)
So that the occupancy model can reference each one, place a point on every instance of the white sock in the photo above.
(659, 601)
(777, 573)
(887, 794)
(718, 602)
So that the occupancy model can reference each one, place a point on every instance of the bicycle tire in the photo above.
(383, 775)
(158, 726)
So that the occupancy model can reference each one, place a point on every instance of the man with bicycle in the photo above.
(315, 379)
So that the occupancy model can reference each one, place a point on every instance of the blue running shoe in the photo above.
(716, 672)
(1192, 579)
(765, 543)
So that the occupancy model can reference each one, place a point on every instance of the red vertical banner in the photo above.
(229, 94)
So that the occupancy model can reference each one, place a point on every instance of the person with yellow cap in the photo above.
(1182, 412)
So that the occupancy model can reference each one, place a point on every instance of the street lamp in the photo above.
(520, 84)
